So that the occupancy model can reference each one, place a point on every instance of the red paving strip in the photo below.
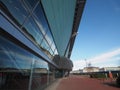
(84, 83)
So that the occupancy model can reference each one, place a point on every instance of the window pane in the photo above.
(17, 9)
(53, 46)
(55, 52)
(51, 73)
(40, 74)
(51, 53)
(48, 37)
(46, 49)
(45, 45)
(15, 66)
(42, 23)
(32, 30)
(40, 19)
(31, 3)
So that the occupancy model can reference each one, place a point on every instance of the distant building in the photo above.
(81, 70)
(75, 71)
(95, 69)
(109, 69)
(91, 69)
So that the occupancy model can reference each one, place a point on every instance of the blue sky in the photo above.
(98, 39)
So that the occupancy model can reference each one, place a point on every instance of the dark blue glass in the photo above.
(40, 17)
(31, 3)
(33, 30)
(13, 56)
(17, 10)
(16, 66)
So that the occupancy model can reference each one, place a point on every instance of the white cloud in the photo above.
(105, 56)
(78, 64)
(104, 59)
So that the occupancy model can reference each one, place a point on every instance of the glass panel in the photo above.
(53, 46)
(48, 37)
(32, 30)
(51, 73)
(40, 74)
(15, 66)
(17, 10)
(42, 23)
(55, 52)
(31, 3)
(40, 19)
(45, 45)
(51, 52)
(46, 49)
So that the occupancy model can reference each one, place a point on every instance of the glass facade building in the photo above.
(31, 34)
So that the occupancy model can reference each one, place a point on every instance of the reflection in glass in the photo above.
(36, 26)
(17, 9)
(48, 37)
(15, 62)
(51, 73)
(31, 3)
(40, 74)
(45, 47)
(40, 19)
(32, 30)
(53, 47)
(15, 66)
(55, 52)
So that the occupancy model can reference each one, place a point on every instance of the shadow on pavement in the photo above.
(111, 84)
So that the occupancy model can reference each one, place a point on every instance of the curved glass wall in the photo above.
(31, 3)
(32, 22)
(40, 19)
(40, 74)
(32, 30)
(17, 70)
(15, 66)
(13, 57)
(16, 9)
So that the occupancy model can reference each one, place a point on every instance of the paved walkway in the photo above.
(82, 83)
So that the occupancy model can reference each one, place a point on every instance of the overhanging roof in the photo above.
(63, 21)
(80, 4)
